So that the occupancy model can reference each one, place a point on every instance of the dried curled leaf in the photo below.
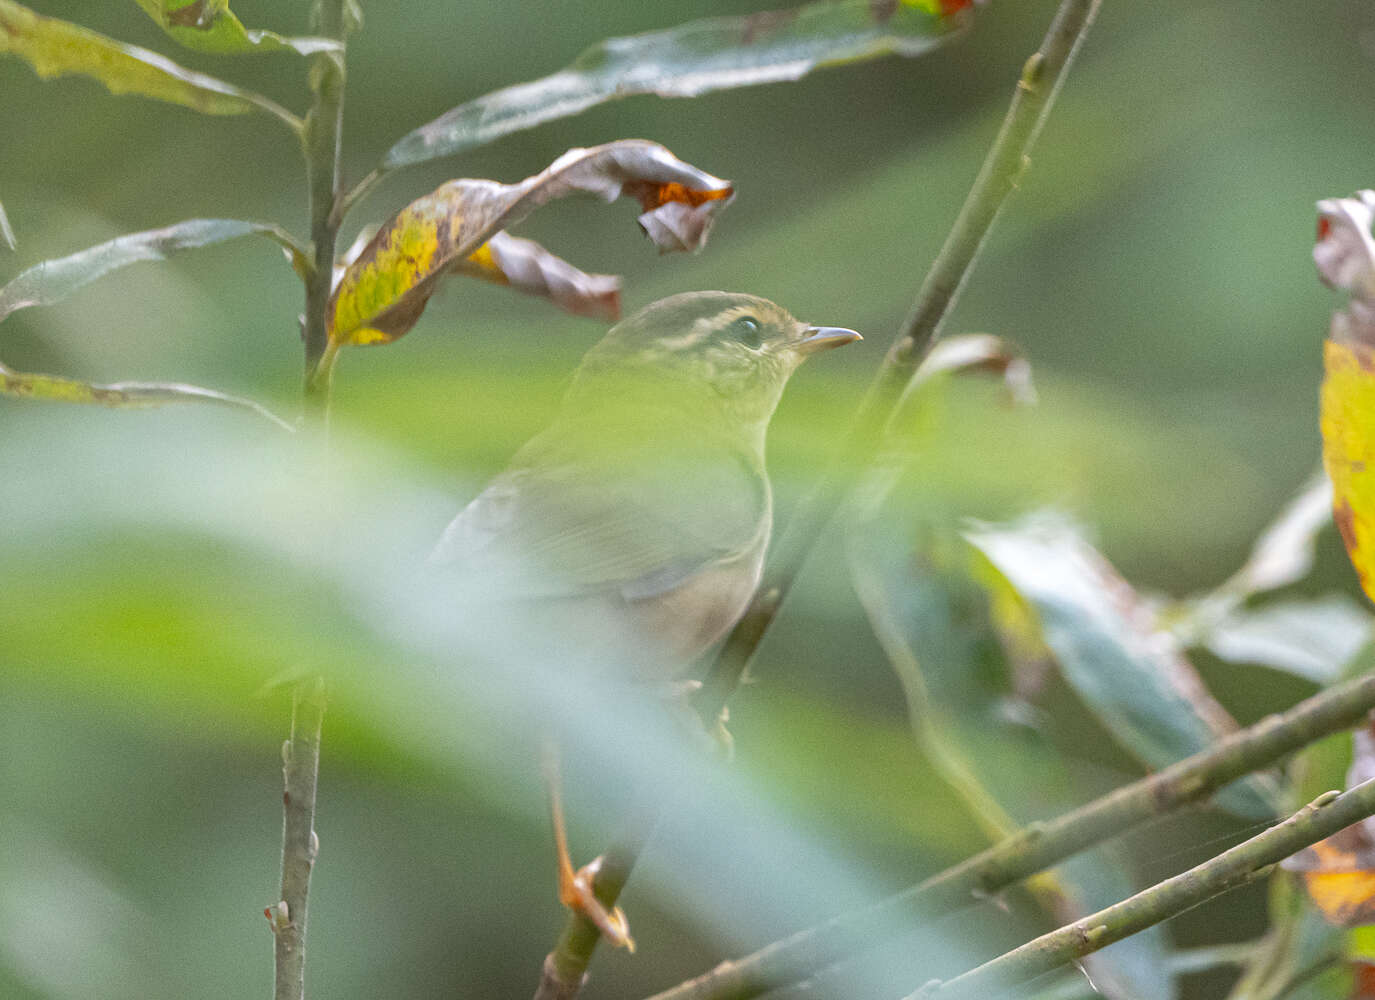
(527, 267)
(123, 395)
(1345, 256)
(54, 48)
(694, 58)
(980, 352)
(383, 292)
(210, 26)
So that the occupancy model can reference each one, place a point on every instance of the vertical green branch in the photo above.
(301, 753)
(322, 137)
(1007, 160)
(300, 768)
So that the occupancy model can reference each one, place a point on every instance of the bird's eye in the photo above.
(746, 330)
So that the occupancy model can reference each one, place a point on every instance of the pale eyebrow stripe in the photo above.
(700, 330)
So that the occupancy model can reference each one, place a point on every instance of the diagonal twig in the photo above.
(1003, 167)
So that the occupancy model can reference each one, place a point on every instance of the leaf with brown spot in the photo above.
(383, 292)
(716, 53)
(123, 395)
(210, 26)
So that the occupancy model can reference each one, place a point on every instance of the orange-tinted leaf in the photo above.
(1339, 872)
(528, 267)
(384, 291)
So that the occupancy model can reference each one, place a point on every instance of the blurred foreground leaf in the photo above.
(691, 59)
(123, 395)
(54, 47)
(1108, 645)
(51, 281)
(383, 292)
(210, 26)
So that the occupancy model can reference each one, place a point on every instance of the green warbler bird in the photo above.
(632, 531)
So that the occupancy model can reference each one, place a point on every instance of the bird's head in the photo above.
(715, 351)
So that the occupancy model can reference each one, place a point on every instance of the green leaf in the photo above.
(691, 59)
(210, 26)
(915, 577)
(54, 48)
(52, 281)
(6, 233)
(1111, 650)
(123, 395)
(1313, 639)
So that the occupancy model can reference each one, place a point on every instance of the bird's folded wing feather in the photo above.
(575, 513)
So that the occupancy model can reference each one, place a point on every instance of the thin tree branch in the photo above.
(1003, 167)
(1036, 848)
(1244, 863)
(301, 753)
(300, 767)
(322, 137)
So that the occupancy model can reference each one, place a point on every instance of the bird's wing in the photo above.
(575, 514)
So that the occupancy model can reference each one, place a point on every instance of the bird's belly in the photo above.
(654, 638)
(684, 622)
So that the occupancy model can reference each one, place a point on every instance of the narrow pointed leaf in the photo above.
(210, 26)
(691, 59)
(53, 280)
(6, 233)
(383, 292)
(55, 48)
(123, 395)
(527, 267)
(1110, 649)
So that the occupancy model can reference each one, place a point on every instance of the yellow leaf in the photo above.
(1348, 435)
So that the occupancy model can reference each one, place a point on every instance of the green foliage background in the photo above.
(1154, 265)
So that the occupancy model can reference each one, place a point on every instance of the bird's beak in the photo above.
(823, 338)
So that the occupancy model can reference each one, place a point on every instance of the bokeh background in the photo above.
(1154, 265)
